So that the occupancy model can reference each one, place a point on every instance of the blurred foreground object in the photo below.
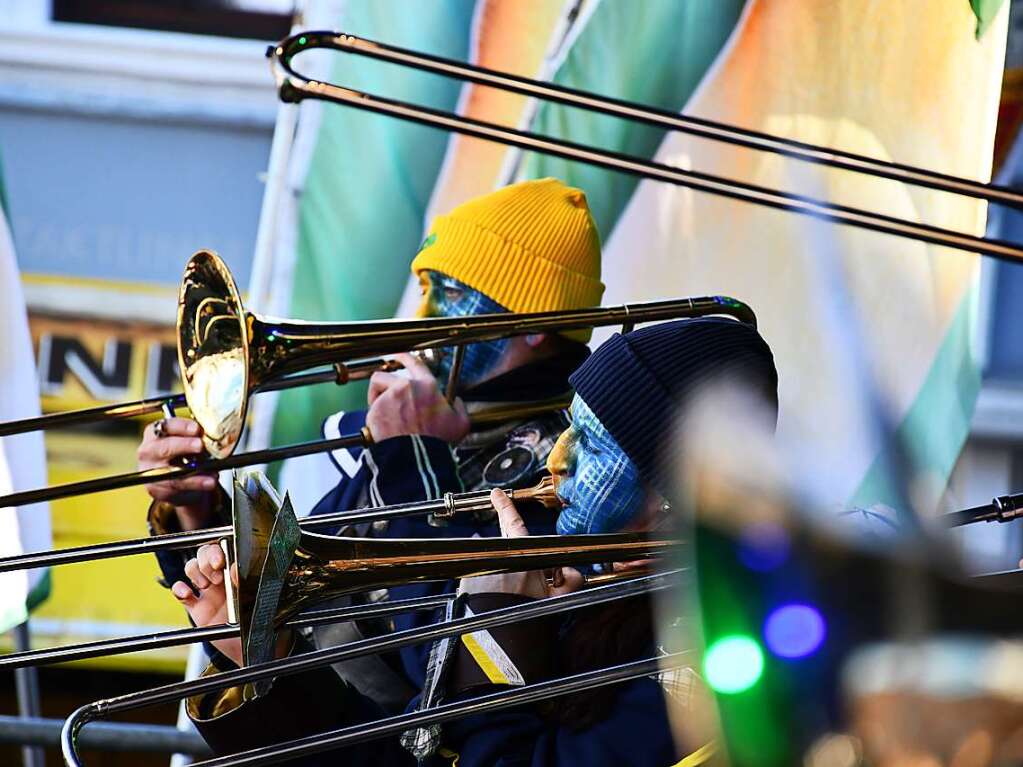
(826, 642)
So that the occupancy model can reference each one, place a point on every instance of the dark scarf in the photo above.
(536, 381)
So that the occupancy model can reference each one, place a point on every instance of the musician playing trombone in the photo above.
(613, 471)
(531, 246)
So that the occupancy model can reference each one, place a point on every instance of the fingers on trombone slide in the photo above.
(207, 567)
(171, 442)
(205, 596)
(174, 426)
(558, 580)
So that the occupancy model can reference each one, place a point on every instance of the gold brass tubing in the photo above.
(485, 414)
(599, 579)
(220, 373)
(324, 567)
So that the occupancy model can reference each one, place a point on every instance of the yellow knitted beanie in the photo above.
(531, 247)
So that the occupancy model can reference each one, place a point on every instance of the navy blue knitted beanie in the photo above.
(637, 383)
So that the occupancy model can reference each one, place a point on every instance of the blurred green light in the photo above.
(302, 40)
(733, 664)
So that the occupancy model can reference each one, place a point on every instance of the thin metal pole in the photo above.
(91, 414)
(26, 682)
(1004, 508)
(451, 390)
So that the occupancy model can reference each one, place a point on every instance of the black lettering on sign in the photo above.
(105, 379)
(162, 376)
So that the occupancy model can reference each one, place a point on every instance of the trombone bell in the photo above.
(213, 351)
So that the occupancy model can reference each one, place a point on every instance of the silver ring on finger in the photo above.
(160, 428)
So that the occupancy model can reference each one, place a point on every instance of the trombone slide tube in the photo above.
(495, 701)
(282, 347)
(445, 507)
(339, 374)
(177, 637)
(1004, 508)
(659, 118)
(130, 479)
(177, 691)
(92, 414)
(293, 87)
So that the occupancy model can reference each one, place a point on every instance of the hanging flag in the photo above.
(373, 183)
(515, 38)
(910, 82)
(23, 456)
(918, 84)
(655, 58)
(366, 188)
(524, 38)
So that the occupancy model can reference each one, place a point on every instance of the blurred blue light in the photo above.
(794, 630)
(763, 547)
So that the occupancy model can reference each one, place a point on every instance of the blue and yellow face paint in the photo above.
(445, 296)
(598, 483)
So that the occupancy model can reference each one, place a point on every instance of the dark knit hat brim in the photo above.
(638, 383)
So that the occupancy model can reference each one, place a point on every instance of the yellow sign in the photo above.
(83, 362)
(88, 362)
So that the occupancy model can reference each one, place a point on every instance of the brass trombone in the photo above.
(444, 508)
(293, 86)
(448, 507)
(178, 691)
(226, 353)
(281, 569)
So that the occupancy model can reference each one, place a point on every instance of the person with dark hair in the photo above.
(613, 471)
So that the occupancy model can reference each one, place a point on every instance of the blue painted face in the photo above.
(445, 296)
(597, 481)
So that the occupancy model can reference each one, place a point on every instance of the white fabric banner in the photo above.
(23, 456)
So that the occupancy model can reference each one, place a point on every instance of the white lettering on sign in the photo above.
(108, 376)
